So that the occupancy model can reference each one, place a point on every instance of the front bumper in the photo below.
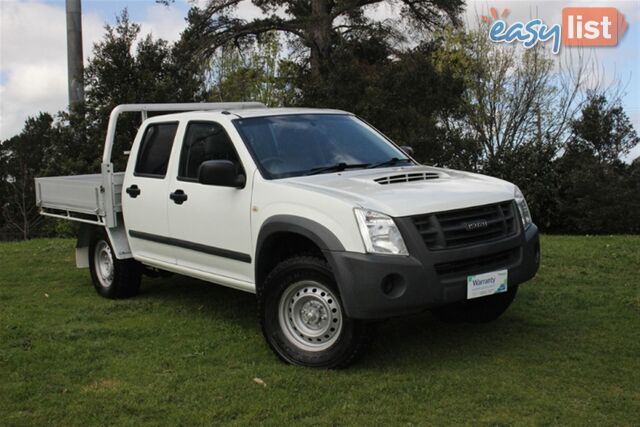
(381, 286)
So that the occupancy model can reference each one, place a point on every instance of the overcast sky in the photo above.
(33, 74)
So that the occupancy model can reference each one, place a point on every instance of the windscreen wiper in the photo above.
(338, 167)
(391, 162)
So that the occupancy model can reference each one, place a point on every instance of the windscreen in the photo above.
(295, 145)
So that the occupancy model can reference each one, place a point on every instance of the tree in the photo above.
(598, 193)
(514, 96)
(255, 73)
(597, 197)
(401, 92)
(124, 70)
(21, 160)
(604, 129)
(314, 24)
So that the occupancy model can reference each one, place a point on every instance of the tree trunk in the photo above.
(320, 27)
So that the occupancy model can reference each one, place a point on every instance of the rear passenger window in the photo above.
(155, 150)
(204, 141)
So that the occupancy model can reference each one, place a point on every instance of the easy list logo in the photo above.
(583, 26)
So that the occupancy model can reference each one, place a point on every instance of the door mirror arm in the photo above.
(241, 181)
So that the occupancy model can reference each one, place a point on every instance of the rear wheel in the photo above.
(112, 277)
(479, 310)
(303, 319)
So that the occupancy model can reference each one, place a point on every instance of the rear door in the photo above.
(144, 198)
(209, 225)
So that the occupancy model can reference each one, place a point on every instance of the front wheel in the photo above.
(112, 277)
(303, 319)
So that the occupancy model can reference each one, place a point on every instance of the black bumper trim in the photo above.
(418, 286)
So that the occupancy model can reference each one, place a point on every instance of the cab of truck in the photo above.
(332, 225)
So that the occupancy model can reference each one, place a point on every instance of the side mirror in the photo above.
(407, 149)
(223, 173)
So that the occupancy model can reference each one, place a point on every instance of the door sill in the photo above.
(199, 274)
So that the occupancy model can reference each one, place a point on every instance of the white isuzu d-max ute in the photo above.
(325, 219)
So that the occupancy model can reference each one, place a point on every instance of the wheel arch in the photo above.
(117, 237)
(299, 232)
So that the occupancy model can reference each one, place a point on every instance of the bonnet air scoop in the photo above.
(407, 177)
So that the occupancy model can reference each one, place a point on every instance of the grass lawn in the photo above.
(187, 352)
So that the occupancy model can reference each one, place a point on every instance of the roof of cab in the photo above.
(254, 112)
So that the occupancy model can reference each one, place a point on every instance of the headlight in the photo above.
(379, 233)
(522, 207)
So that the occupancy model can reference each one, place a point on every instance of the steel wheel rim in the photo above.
(103, 263)
(310, 315)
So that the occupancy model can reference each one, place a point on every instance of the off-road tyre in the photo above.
(304, 288)
(112, 278)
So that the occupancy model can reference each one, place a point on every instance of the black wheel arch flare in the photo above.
(317, 233)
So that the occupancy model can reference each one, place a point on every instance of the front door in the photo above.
(209, 225)
(144, 194)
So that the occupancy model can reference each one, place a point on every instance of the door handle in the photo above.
(178, 197)
(133, 191)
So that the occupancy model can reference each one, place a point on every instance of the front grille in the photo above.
(465, 227)
(479, 264)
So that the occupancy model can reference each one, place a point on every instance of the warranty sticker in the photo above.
(481, 285)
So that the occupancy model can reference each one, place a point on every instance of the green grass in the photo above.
(186, 352)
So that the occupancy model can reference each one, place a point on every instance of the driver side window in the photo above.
(204, 141)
